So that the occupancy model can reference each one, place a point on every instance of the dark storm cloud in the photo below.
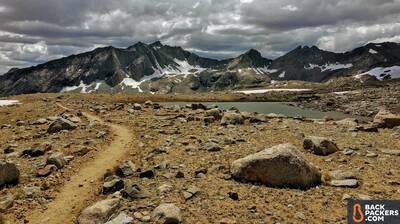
(35, 31)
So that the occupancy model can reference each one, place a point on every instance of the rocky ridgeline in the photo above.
(279, 166)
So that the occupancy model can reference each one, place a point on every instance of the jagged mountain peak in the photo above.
(156, 44)
(252, 53)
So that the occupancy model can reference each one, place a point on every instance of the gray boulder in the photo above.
(319, 145)
(99, 212)
(61, 124)
(9, 173)
(278, 166)
(167, 214)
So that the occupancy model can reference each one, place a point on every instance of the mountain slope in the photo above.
(161, 68)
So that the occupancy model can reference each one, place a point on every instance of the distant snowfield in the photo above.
(329, 67)
(382, 73)
(8, 102)
(346, 92)
(258, 91)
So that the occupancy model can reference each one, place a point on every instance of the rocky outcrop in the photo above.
(278, 166)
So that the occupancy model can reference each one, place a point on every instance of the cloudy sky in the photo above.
(34, 31)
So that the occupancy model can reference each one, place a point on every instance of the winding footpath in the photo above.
(82, 186)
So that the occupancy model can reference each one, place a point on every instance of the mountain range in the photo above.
(167, 69)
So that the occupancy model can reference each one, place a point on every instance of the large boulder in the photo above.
(319, 145)
(278, 166)
(9, 173)
(386, 119)
(61, 124)
(232, 118)
(167, 214)
(99, 212)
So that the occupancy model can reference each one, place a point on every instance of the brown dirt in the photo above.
(158, 129)
(81, 187)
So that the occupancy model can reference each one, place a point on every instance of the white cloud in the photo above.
(290, 8)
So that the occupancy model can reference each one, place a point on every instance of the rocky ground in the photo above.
(109, 159)
(356, 101)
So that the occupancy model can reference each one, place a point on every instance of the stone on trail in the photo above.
(9, 173)
(232, 118)
(99, 212)
(278, 166)
(61, 124)
(167, 214)
(112, 184)
(126, 168)
(319, 145)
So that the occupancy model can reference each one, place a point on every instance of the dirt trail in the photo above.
(82, 186)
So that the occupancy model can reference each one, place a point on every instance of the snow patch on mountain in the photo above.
(282, 75)
(265, 70)
(84, 88)
(372, 51)
(328, 67)
(382, 73)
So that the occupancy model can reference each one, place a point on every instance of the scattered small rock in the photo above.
(319, 145)
(99, 212)
(112, 184)
(61, 124)
(9, 173)
(167, 214)
(57, 159)
(232, 118)
(122, 218)
(134, 191)
(126, 168)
